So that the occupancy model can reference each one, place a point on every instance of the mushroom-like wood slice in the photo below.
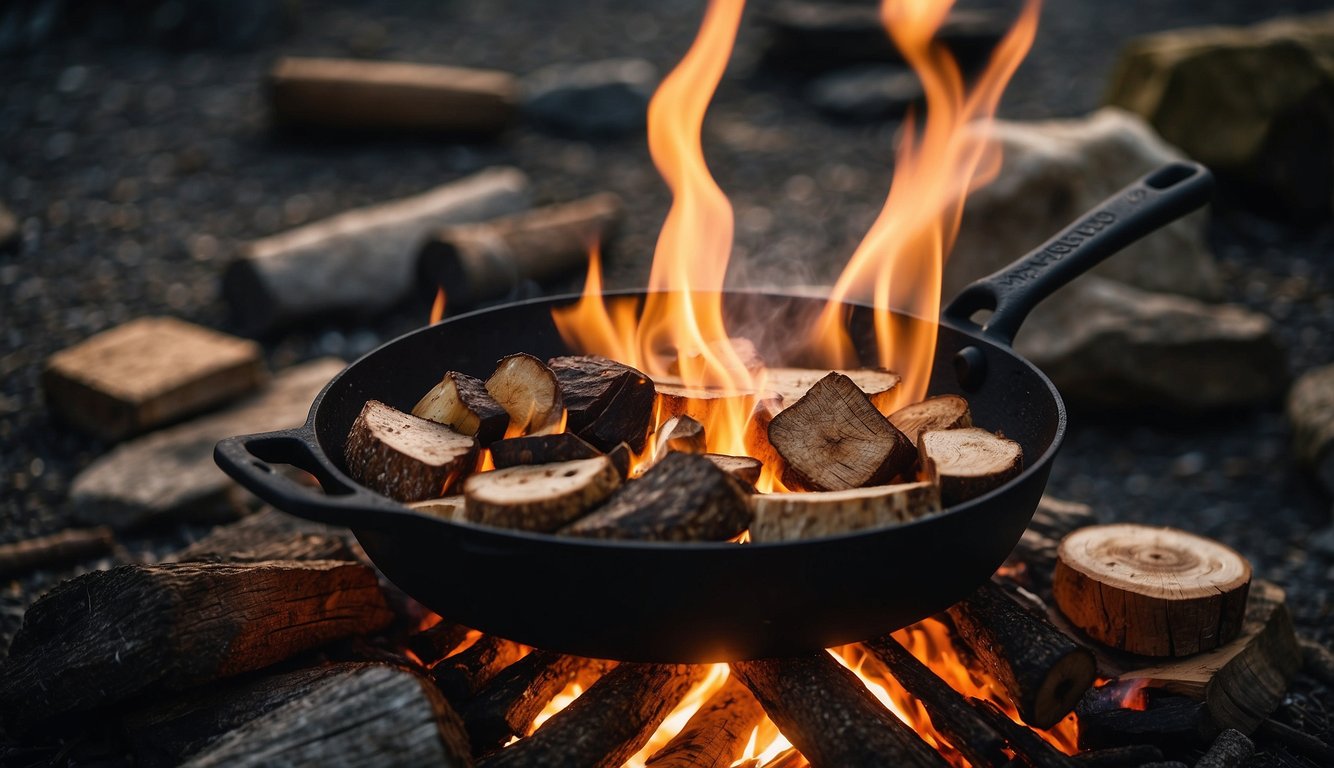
(792, 516)
(446, 507)
(529, 393)
(405, 457)
(681, 434)
(833, 439)
(540, 449)
(607, 402)
(969, 462)
(932, 414)
(462, 403)
(539, 498)
(684, 497)
(743, 469)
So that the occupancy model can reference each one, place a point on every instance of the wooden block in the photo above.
(146, 373)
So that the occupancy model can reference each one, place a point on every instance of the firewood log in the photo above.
(462, 403)
(608, 723)
(1151, 591)
(621, 457)
(1118, 757)
(1230, 750)
(699, 403)
(542, 497)
(109, 635)
(684, 497)
(404, 457)
(1162, 719)
(716, 735)
(680, 433)
(1296, 740)
(608, 403)
(931, 415)
(969, 462)
(58, 549)
(445, 507)
(793, 516)
(834, 439)
(540, 449)
(270, 535)
(1032, 748)
(743, 469)
(826, 712)
(436, 642)
(529, 393)
(507, 706)
(470, 670)
(1039, 669)
(1031, 563)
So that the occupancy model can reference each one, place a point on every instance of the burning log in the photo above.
(607, 724)
(1158, 718)
(742, 348)
(684, 497)
(462, 403)
(826, 712)
(58, 549)
(508, 705)
(682, 434)
(405, 457)
(478, 262)
(465, 673)
(540, 449)
(743, 469)
(834, 439)
(969, 462)
(529, 393)
(756, 436)
(607, 403)
(1151, 591)
(1040, 670)
(791, 384)
(542, 497)
(1230, 750)
(436, 642)
(109, 635)
(931, 415)
(793, 516)
(360, 261)
(1032, 748)
(716, 735)
(269, 535)
(783, 386)
(352, 95)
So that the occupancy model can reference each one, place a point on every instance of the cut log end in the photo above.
(405, 457)
(539, 498)
(969, 462)
(743, 469)
(462, 403)
(931, 415)
(793, 516)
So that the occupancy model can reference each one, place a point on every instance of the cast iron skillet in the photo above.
(706, 602)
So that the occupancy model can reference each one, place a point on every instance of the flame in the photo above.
(438, 306)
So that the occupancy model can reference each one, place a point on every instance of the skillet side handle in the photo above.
(1153, 201)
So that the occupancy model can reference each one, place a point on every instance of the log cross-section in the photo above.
(541, 497)
(405, 457)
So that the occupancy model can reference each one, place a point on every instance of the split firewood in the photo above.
(743, 469)
(834, 439)
(270, 535)
(607, 403)
(716, 735)
(465, 673)
(793, 516)
(507, 706)
(682, 434)
(684, 497)
(1039, 669)
(611, 721)
(931, 415)
(826, 712)
(542, 497)
(1230, 750)
(109, 635)
(462, 403)
(969, 462)
(1033, 749)
(529, 393)
(621, 457)
(436, 642)
(1151, 591)
(445, 507)
(405, 457)
(56, 550)
(540, 449)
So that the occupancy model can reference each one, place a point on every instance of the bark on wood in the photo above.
(1151, 591)
(743, 469)
(405, 457)
(446, 507)
(793, 516)
(543, 497)
(682, 434)
(1165, 720)
(108, 635)
(391, 96)
(484, 261)
(931, 415)
(608, 723)
(1040, 670)
(1030, 747)
(509, 704)
(716, 735)
(1119, 757)
(969, 462)
(462, 403)
(465, 673)
(436, 642)
(359, 262)
(529, 392)
(540, 449)
(607, 403)
(59, 549)
(826, 712)
(834, 439)
(684, 497)
(1230, 750)
(270, 535)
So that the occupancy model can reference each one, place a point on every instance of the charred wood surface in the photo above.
(716, 735)
(58, 549)
(607, 403)
(436, 642)
(507, 706)
(540, 449)
(1159, 719)
(1030, 747)
(1119, 757)
(465, 673)
(270, 535)
(1231, 749)
(1298, 741)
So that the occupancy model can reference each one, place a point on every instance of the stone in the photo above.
(1107, 344)
(597, 99)
(867, 92)
(1253, 103)
(170, 474)
(1310, 410)
(1054, 171)
(10, 234)
(146, 373)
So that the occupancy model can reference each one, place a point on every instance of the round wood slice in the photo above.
(1153, 591)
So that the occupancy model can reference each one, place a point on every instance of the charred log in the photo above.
(465, 673)
(507, 706)
(716, 735)
(607, 403)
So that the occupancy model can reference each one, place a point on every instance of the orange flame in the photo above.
(438, 306)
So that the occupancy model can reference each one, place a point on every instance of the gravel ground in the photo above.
(133, 170)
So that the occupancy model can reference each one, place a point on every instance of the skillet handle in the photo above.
(248, 459)
(1149, 203)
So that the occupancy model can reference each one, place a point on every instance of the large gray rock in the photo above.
(606, 98)
(171, 474)
(1311, 411)
(1104, 343)
(1054, 171)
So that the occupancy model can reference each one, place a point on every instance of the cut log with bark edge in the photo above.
(436, 642)
(931, 415)
(607, 402)
(809, 515)
(529, 393)
(684, 497)
(507, 706)
(682, 434)
(540, 449)
(539, 498)
(743, 469)
(470, 670)
(462, 403)
(716, 735)
(1151, 591)
(446, 507)
(58, 549)
(879, 385)
(969, 462)
(404, 457)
